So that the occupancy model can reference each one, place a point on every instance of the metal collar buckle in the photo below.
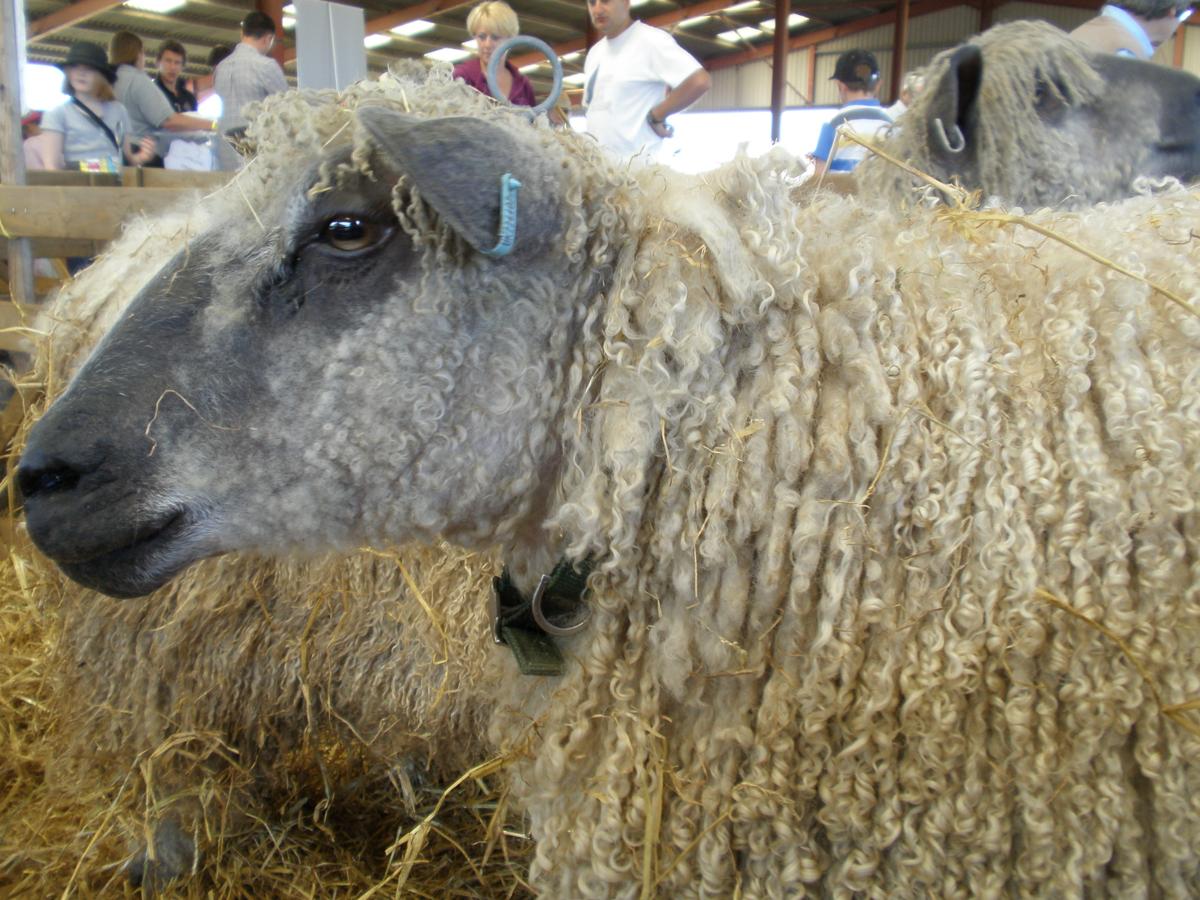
(506, 606)
(543, 621)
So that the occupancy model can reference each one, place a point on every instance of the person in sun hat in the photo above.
(91, 131)
(857, 75)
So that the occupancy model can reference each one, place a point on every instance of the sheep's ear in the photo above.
(457, 164)
(951, 129)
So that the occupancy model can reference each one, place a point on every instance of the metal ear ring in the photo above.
(954, 141)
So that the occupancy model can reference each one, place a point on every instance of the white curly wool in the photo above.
(829, 457)
(831, 488)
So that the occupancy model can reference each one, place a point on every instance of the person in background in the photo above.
(91, 131)
(636, 76)
(857, 75)
(34, 141)
(204, 83)
(910, 89)
(246, 76)
(31, 124)
(490, 24)
(171, 59)
(1133, 27)
(150, 112)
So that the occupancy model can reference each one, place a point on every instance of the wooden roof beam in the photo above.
(68, 16)
(813, 38)
(1091, 5)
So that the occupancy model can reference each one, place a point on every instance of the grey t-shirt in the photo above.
(243, 77)
(83, 139)
(147, 106)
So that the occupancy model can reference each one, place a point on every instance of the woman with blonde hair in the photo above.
(490, 24)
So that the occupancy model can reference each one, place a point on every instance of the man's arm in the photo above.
(680, 97)
(184, 122)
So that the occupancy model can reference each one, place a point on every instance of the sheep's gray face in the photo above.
(1145, 122)
(327, 384)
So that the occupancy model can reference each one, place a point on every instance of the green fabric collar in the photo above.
(528, 626)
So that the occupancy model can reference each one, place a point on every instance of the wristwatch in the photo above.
(653, 121)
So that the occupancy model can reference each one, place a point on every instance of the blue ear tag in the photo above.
(507, 235)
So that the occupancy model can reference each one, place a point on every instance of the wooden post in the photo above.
(12, 154)
(1180, 43)
(812, 75)
(986, 10)
(901, 45)
(783, 10)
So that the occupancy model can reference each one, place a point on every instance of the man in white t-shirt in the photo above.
(636, 76)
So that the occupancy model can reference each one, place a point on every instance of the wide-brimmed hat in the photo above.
(92, 55)
(857, 67)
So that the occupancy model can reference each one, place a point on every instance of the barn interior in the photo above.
(771, 65)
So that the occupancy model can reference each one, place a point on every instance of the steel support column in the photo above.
(783, 10)
(900, 40)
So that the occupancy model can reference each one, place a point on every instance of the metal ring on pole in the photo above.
(523, 40)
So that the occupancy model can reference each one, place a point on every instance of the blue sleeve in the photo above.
(824, 142)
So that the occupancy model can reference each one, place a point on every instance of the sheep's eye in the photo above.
(1049, 98)
(348, 233)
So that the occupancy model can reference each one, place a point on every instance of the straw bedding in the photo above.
(898, 593)
(226, 704)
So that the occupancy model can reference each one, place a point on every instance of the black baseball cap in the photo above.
(856, 67)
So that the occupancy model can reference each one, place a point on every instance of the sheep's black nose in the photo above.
(42, 473)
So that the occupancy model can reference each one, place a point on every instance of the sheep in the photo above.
(1031, 117)
(891, 518)
(234, 692)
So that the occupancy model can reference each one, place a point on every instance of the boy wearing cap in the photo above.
(857, 77)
